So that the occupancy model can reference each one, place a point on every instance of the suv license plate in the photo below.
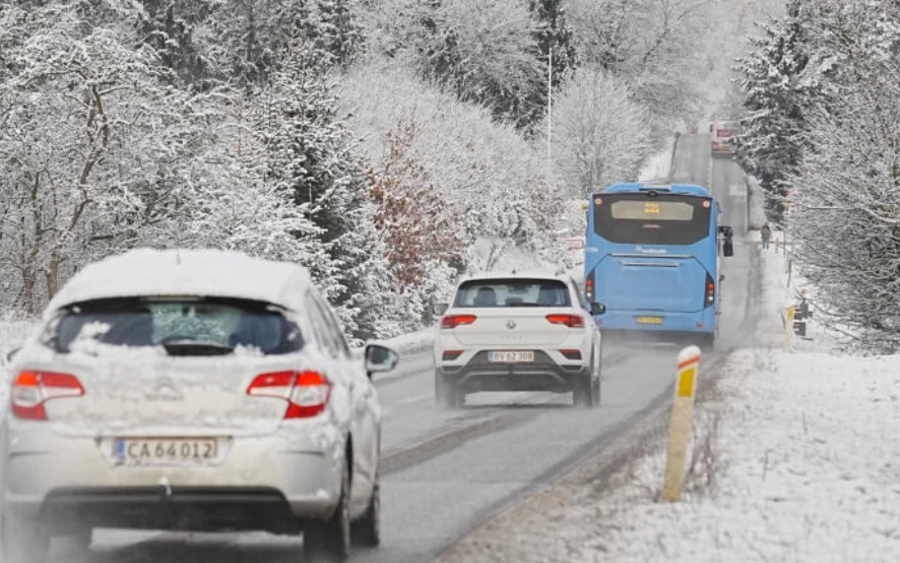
(165, 451)
(650, 320)
(512, 357)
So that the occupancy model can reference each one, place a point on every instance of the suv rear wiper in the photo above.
(187, 347)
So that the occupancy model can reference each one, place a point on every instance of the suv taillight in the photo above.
(32, 389)
(306, 392)
(710, 295)
(453, 321)
(571, 321)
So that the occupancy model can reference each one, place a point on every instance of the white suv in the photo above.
(517, 332)
(190, 390)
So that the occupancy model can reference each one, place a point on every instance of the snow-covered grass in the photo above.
(794, 458)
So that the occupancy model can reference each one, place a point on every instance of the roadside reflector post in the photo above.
(680, 425)
(789, 327)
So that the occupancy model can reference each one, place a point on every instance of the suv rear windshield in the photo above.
(515, 292)
(652, 219)
(183, 326)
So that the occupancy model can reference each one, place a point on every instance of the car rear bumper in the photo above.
(544, 374)
(278, 475)
(175, 508)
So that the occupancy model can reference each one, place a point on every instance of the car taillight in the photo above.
(453, 321)
(306, 392)
(710, 291)
(571, 321)
(32, 389)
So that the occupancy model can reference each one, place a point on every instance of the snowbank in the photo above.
(413, 342)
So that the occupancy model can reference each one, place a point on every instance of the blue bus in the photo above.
(652, 261)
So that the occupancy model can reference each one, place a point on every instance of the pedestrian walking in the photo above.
(766, 234)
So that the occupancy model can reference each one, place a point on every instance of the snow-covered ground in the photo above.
(795, 458)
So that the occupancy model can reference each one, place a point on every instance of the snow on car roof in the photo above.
(208, 273)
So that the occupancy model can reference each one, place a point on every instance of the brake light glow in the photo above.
(453, 321)
(306, 392)
(571, 321)
(32, 389)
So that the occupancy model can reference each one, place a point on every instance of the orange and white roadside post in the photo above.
(680, 425)
(789, 327)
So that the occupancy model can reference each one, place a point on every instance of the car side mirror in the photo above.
(439, 309)
(380, 359)
(598, 308)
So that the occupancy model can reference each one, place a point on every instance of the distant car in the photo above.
(517, 332)
(191, 390)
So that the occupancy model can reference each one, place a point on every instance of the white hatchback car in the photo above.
(190, 390)
(517, 332)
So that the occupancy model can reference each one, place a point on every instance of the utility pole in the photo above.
(549, 110)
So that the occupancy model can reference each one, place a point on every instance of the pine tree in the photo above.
(168, 27)
(771, 144)
(311, 153)
(554, 33)
(337, 31)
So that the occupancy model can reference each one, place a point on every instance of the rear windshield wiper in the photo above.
(187, 347)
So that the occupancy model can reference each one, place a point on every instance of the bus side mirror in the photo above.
(598, 308)
(728, 249)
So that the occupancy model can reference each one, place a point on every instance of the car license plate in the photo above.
(165, 451)
(511, 357)
(650, 320)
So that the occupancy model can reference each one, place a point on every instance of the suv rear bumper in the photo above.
(543, 374)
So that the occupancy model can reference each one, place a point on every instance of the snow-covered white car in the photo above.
(517, 332)
(190, 390)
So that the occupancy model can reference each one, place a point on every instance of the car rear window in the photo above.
(184, 326)
(514, 292)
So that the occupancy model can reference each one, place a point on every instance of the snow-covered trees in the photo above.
(486, 171)
(100, 150)
(309, 153)
(487, 52)
(416, 222)
(845, 191)
(778, 91)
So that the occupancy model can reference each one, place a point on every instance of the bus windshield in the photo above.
(642, 218)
